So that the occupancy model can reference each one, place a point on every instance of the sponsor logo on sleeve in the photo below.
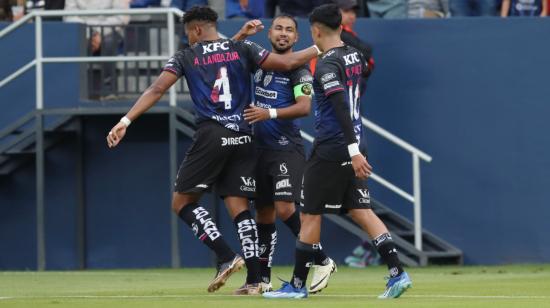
(328, 76)
(307, 78)
(331, 84)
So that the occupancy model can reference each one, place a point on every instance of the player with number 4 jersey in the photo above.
(222, 155)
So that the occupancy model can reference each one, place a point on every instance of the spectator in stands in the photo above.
(429, 8)
(11, 10)
(468, 8)
(296, 8)
(144, 3)
(184, 5)
(252, 9)
(530, 8)
(390, 9)
(106, 33)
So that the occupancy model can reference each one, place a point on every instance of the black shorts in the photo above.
(219, 159)
(331, 187)
(278, 176)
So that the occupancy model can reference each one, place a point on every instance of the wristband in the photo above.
(272, 113)
(353, 149)
(319, 52)
(125, 121)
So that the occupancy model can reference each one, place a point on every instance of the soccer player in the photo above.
(222, 156)
(281, 98)
(334, 176)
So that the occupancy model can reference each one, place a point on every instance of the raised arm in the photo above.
(149, 98)
(277, 62)
(250, 28)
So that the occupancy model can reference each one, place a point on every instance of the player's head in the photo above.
(325, 22)
(198, 21)
(348, 8)
(283, 33)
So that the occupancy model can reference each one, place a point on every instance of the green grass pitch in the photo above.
(500, 286)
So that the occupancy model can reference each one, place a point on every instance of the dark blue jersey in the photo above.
(339, 70)
(217, 73)
(276, 90)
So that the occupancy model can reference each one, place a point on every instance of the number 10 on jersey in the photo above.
(222, 84)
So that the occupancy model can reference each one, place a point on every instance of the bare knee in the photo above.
(236, 205)
(284, 209)
(265, 215)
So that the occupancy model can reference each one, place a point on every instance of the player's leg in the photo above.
(267, 239)
(237, 185)
(361, 212)
(203, 164)
(323, 192)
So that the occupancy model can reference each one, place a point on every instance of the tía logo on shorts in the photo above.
(285, 183)
(365, 195)
(333, 206)
(249, 184)
(236, 140)
(283, 169)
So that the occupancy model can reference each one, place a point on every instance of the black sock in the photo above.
(267, 235)
(248, 235)
(205, 230)
(320, 257)
(386, 248)
(293, 223)
(304, 259)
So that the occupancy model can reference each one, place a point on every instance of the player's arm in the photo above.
(360, 165)
(288, 62)
(250, 28)
(300, 109)
(149, 98)
(505, 9)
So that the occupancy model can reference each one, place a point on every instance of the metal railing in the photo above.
(416, 154)
(38, 63)
(170, 13)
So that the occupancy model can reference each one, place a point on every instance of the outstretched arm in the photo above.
(149, 98)
(288, 62)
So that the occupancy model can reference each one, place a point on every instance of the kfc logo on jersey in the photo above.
(211, 47)
(351, 58)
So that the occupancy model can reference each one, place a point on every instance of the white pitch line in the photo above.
(173, 296)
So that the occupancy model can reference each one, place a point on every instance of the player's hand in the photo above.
(251, 27)
(256, 114)
(116, 134)
(361, 167)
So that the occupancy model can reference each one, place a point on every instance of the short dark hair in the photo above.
(328, 15)
(283, 15)
(200, 13)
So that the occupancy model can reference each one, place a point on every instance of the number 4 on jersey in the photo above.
(222, 83)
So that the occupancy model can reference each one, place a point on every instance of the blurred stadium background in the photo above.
(456, 112)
